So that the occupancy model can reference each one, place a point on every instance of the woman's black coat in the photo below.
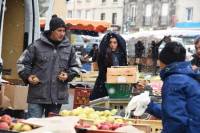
(99, 87)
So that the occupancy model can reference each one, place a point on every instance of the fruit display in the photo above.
(97, 120)
(21, 127)
(108, 127)
(90, 113)
(6, 123)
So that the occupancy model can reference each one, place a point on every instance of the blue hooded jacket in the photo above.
(180, 108)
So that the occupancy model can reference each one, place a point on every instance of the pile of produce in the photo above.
(6, 123)
(98, 120)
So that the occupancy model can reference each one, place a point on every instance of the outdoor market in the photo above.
(97, 66)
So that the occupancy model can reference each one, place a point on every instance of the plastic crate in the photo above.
(81, 96)
(118, 91)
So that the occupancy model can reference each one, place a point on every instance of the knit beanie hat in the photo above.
(172, 52)
(56, 22)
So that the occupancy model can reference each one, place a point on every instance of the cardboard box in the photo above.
(94, 66)
(124, 74)
(13, 96)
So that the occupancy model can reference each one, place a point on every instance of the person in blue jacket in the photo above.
(180, 107)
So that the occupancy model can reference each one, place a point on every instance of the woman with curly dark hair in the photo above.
(112, 52)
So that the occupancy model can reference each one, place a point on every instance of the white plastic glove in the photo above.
(138, 103)
(90, 59)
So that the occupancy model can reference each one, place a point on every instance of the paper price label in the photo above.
(121, 79)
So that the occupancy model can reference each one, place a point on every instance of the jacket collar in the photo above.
(63, 43)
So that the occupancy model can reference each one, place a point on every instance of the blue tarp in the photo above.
(188, 25)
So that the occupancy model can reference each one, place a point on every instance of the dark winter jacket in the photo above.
(46, 61)
(99, 88)
(180, 106)
(94, 54)
(195, 60)
(139, 49)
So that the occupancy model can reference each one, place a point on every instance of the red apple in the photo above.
(6, 118)
(85, 125)
(4, 125)
(105, 127)
(115, 126)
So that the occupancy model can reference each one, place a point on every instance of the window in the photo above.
(79, 1)
(114, 18)
(189, 13)
(103, 1)
(87, 14)
(78, 13)
(103, 16)
(69, 13)
(115, 0)
(133, 11)
(165, 9)
(148, 10)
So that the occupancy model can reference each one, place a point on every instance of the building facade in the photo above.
(107, 10)
(188, 10)
(148, 14)
(58, 7)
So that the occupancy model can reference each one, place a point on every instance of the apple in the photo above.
(86, 125)
(6, 118)
(115, 126)
(65, 113)
(4, 125)
(105, 127)
(26, 127)
(113, 111)
(17, 126)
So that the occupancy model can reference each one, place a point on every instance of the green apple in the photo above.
(17, 126)
(26, 127)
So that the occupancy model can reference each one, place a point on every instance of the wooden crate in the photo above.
(89, 77)
(119, 104)
(156, 125)
(124, 74)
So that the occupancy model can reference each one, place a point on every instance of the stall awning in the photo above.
(188, 25)
(82, 24)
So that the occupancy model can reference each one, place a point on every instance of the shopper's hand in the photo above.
(194, 67)
(33, 79)
(63, 76)
(138, 103)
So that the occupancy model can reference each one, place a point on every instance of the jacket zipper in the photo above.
(52, 67)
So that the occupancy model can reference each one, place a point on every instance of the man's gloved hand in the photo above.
(138, 103)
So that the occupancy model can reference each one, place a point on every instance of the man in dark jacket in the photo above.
(94, 52)
(196, 57)
(47, 66)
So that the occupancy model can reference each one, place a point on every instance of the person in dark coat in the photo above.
(112, 52)
(196, 57)
(139, 49)
(47, 66)
(94, 52)
(180, 106)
